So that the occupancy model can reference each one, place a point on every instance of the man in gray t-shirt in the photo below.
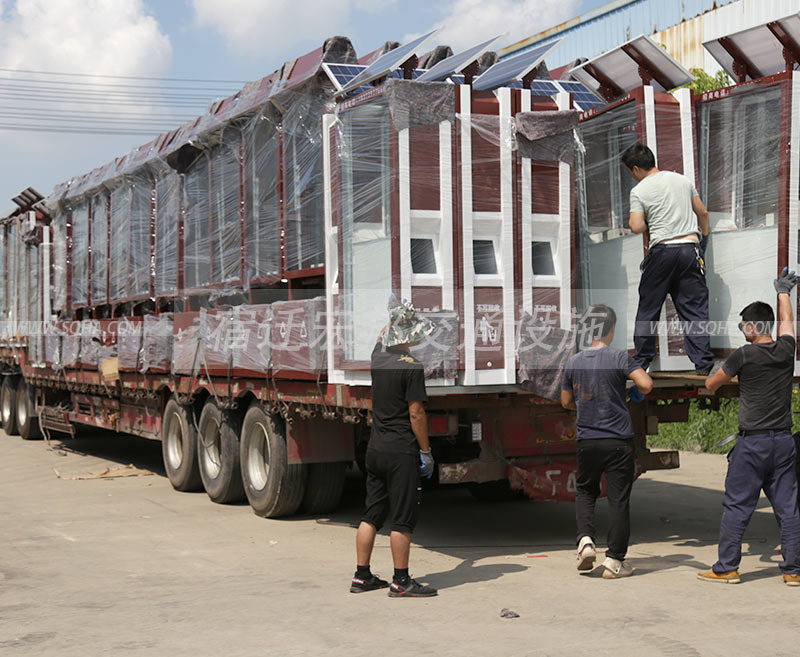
(666, 206)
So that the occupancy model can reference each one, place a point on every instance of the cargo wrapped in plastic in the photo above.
(187, 357)
(99, 282)
(157, 339)
(71, 345)
(129, 343)
(59, 262)
(438, 353)
(79, 255)
(253, 327)
(168, 210)
(90, 342)
(543, 350)
(215, 328)
(298, 337)
(52, 346)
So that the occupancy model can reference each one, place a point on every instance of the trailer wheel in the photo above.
(274, 487)
(179, 447)
(324, 487)
(218, 454)
(27, 420)
(8, 405)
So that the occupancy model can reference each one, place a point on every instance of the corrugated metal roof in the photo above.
(612, 24)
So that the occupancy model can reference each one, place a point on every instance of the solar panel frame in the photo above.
(458, 62)
(514, 68)
(386, 63)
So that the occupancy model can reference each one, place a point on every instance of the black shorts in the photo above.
(392, 484)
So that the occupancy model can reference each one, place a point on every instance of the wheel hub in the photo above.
(258, 457)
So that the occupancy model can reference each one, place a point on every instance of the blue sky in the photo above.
(205, 39)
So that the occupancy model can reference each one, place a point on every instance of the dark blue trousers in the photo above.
(761, 461)
(673, 270)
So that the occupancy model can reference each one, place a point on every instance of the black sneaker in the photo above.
(372, 583)
(411, 590)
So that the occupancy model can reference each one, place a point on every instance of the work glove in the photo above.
(426, 464)
(786, 282)
(635, 395)
(703, 243)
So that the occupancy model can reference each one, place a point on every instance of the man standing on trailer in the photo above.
(398, 452)
(594, 385)
(667, 206)
(764, 455)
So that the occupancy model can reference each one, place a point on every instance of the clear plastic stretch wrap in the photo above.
(80, 252)
(304, 190)
(90, 342)
(215, 328)
(299, 336)
(197, 204)
(439, 351)
(142, 203)
(157, 339)
(34, 330)
(17, 300)
(187, 355)
(547, 135)
(366, 182)
(99, 248)
(543, 351)
(129, 343)
(52, 346)
(738, 148)
(59, 262)
(261, 181)
(225, 239)
(251, 344)
(420, 103)
(71, 345)
(610, 253)
(120, 233)
(168, 209)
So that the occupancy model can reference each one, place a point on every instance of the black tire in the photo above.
(179, 447)
(8, 405)
(324, 487)
(27, 419)
(496, 491)
(218, 454)
(274, 487)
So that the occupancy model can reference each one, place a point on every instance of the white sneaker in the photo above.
(614, 569)
(586, 553)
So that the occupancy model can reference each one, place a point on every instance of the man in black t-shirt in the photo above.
(594, 385)
(398, 452)
(764, 455)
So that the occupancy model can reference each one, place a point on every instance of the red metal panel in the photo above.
(668, 133)
(319, 441)
(545, 189)
(424, 162)
(486, 178)
(426, 298)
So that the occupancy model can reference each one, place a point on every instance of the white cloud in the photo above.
(83, 36)
(92, 37)
(468, 22)
(255, 27)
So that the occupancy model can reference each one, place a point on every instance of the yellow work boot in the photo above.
(791, 579)
(731, 577)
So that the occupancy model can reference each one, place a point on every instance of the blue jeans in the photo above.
(760, 461)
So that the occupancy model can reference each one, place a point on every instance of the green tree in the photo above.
(705, 82)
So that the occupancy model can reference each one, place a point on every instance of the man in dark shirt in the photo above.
(398, 452)
(594, 385)
(764, 455)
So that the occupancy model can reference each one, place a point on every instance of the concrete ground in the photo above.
(129, 566)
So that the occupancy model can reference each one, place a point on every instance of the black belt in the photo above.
(673, 245)
(761, 432)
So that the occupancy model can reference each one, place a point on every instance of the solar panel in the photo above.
(759, 50)
(457, 63)
(513, 68)
(386, 63)
(620, 70)
(342, 74)
(582, 97)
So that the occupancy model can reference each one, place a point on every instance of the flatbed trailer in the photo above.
(281, 221)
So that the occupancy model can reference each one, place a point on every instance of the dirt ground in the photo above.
(129, 566)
